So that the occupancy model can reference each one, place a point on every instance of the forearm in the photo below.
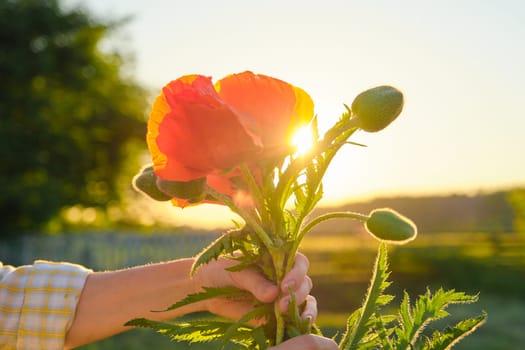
(110, 299)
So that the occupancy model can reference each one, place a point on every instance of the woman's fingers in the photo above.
(307, 342)
(310, 309)
(295, 278)
(264, 290)
(297, 282)
(214, 274)
(255, 283)
(300, 294)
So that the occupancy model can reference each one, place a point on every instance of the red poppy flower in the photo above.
(197, 129)
(192, 132)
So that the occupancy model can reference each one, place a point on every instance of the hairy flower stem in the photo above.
(279, 261)
(343, 214)
(309, 226)
(255, 190)
(279, 323)
(250, 221)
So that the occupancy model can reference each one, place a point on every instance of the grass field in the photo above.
(491, 265)
(503, 329)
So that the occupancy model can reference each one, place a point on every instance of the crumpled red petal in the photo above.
(192, 132)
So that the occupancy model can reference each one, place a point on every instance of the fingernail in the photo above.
(284, 303)
(308, 318)
(267, 292)
(288, 284)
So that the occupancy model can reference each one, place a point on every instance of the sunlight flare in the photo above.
(302, 140)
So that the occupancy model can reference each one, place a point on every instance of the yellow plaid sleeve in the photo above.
(38, 303)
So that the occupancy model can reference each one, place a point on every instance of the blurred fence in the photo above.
(101, 251)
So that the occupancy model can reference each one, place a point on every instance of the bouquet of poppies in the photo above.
(231, 143)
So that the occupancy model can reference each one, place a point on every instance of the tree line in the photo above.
(494, 212)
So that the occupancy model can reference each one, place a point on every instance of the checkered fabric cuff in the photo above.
(38, 303)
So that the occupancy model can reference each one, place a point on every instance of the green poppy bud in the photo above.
(388, 225)
(376, 108)
(192, 191)
(146, 182)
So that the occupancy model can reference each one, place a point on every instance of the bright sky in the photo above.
(460, 64)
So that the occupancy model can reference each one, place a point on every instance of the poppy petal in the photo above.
(270, 107)
(192, 132)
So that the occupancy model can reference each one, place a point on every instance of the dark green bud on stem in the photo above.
(376, 108)
(193, 191)
(146, 182)
(388, 225)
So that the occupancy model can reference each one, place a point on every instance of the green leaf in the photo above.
(427, 308)
(197, 331)
(453, 335)
(383, 333)
(242, 266)
(222, 245)
(255, 190)
(210, 293)
(259, 337)
(360, 323)
(405, 312)
(256, 313)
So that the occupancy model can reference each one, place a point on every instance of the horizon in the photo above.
(218, 217)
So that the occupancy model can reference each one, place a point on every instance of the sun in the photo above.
(302, 140)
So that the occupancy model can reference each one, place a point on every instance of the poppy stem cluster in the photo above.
(247, 217)
(229, 143)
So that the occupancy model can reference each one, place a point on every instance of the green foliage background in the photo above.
(69, 116)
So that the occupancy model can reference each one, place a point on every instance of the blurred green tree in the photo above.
(68, 113)
(516, 199)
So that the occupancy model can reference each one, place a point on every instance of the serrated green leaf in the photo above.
(427, 308)
(241, 266)
(210, 293)
(299, 191)
(384, 333)
(259, 337)
(145, 323)
(196, 331)
(256, 313)
(359, 326)
(453, 335)
(351, 323)
(405, 312)
(385, 299)
(222, 245)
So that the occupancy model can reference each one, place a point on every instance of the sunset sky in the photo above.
(460, 64)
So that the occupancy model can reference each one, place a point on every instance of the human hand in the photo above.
(307, 342)
(214, 274)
